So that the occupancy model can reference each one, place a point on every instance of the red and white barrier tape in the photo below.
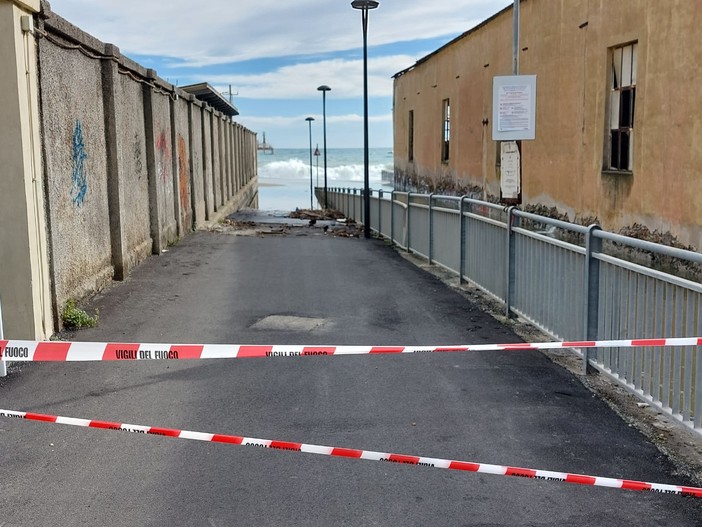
(28, 350)
(469, 466)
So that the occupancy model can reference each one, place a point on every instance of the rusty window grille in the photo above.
(622, 105)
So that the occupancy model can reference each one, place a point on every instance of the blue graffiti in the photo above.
(79, 188)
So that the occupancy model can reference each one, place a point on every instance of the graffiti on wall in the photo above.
(163, 157)
(183, 175)
(79, 185)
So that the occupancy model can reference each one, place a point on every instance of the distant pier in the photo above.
(265, 147)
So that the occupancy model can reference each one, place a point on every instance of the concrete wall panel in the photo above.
(196, 164)
(181, 160)
(226, 159)
(208, 166)
(75, 170)
(217, 161)
(134, 184)
(163, 168)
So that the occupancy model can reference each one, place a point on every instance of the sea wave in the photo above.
(298, 169)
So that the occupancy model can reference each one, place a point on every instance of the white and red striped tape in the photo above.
(469, 466)
(28, 350)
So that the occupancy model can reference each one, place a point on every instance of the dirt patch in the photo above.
(312, 227)
(314, 214)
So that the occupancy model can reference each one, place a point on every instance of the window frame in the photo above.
(621, 109)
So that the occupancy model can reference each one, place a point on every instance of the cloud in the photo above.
(298, 81)
(221, 31)
(296, 121)
(343, 131)
(276, 52)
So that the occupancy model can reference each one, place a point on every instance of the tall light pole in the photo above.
(324, 89)
(365, 6)
(309, 120)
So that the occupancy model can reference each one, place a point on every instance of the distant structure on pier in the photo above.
(265, 147)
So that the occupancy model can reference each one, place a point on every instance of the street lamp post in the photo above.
(365, 6)
(324, 89)
(309, 120)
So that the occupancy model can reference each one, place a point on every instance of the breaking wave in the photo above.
(295, 168)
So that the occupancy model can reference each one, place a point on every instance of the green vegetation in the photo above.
(75, 318)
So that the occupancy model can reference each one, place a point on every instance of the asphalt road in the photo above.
(504, 408)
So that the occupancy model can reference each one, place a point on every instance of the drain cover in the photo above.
(288, 323)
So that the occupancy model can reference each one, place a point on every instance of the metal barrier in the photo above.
(571, 281)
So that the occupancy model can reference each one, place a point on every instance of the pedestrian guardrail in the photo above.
(571, 281)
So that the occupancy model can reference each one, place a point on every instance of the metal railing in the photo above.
(571, 281)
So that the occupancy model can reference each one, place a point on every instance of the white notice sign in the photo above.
(514, 107)
(510, 173)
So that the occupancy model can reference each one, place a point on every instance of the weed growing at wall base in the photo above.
(75, 318)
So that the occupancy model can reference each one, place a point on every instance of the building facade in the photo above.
(618, 119)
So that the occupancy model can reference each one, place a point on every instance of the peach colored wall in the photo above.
(565, 43)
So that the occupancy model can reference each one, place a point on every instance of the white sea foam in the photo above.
(295, 168)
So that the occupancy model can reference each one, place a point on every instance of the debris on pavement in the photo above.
(300, 222)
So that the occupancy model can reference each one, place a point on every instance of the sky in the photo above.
(275, 53)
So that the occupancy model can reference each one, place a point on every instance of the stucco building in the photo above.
(618, 114)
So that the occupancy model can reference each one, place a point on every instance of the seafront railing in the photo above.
(571, 281)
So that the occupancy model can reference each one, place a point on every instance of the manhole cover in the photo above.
(288, 323)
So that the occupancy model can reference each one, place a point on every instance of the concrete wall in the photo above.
(567, 45)
(129, 181)
(197, 154)
(216, 162)
(131, 162)
(75, 168)
(208, 164)
(160, 164)
(181, 163)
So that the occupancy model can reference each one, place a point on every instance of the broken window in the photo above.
(446, 132)
(622, 102)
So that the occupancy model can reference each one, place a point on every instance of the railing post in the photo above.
(510, 262)
(392, 217)
(380, 212)
(431, 227)
(357, 218)
(593, 244)
(3, 365)
(462, 256)
(409, 206)
(362, 213)
(368, 219)
(361, 210)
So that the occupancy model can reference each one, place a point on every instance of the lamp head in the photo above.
(324, 87)
(364, 4)
(310, 119)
